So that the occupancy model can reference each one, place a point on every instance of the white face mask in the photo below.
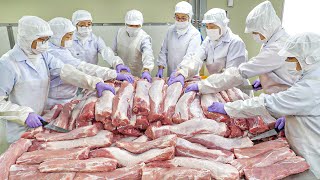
(182, 27)
(256, 37)
(213, 34)
(132, 31)
(68, 43)
(84, 31)
(41, 48)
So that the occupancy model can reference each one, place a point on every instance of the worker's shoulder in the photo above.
(6, 60)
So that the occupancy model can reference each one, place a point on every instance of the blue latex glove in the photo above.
(125, 77)
(33, 120)
(257, 85)
(192, 87)
(146, 75)
(160, 73)
(280, 123)
(102, 87)
(178, 78)
(121, 67)
(217, 107)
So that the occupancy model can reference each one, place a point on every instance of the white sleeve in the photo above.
(147, 54)
(71, 75)
(163, 55)
(97, 71)
(108, 55)
(13, 112)
(219, 82)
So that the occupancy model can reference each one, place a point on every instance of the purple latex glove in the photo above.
(121, 67)
(192, 87)
(146, 75)
(178, 78)
(257, 85)
(217, 107)
(33, 120)
(160, 73)
(102, 87)
(280, 123)
(125, 77)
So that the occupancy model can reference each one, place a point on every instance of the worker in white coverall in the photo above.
(182, 39)
(134, 46)
(265, 27)
(60, 41)
(25, 77)
(86, 45)
(300, 103)
(221, 48)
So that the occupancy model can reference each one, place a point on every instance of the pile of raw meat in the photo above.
(149, 131)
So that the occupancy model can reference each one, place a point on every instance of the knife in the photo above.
(269, 133)
(46, 125)
(247, 87)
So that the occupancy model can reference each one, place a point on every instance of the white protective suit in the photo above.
(61, 92)
(176, 45)
(87, 48)
(25, 77)
(300, 103)
(271, 68)
(135, 50)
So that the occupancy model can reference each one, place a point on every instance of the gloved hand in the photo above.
(280, 123)
(102, 87)
(217, 107)
(125, 77)
(192, 87)
(257, 85)
(146, 75)
(121, 67)
(160, 73)
(178, 78)
(33, 120)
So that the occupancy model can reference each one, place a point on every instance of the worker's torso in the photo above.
(88, 51)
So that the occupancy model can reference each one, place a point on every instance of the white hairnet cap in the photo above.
(31, 28)
(81, 15)
(184, 8)
(217, 16)
(60, 26)
(305, 47)
(134, 17)
(263, 19)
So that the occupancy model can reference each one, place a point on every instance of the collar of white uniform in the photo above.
(18, 54)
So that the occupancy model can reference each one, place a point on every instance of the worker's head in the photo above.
(262, 20)
(83, 21)
(33, 35)
(62, 29)
(183, 15)
(216, 21)
(133, 21)
(303, 49)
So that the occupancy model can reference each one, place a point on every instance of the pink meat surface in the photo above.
(175, 173)
(141, 101)
(173, 94)
(103, 110)
(206, 101)
(87, 113)
(63, 119)
(182, 112)
(157, 95)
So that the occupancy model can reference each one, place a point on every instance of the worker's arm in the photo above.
(236, 54)
(163, 55)
(107, 54)
(147, 54)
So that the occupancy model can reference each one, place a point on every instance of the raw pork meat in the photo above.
(260, 148)
(75, 114)
(225, 97)
(195, 108)
(22, 175)
(279, 170)
(188, 149)
(126, 158)
(188, 129)
(131, 172)
(182, 112)
(63, 119)
(102, 139)
(53, 113)
(140, 147)
(213, 141)
(37, 157)
(88, 165)
(32, 132)
(121, 104)
(103, 110)
(87, 112)
(81, 132)
(206, 101)
(9, 157)
(142, 122)
(157, 94)
(256, 125)
(141, 101)
(265, 159)
(175, 173)
(173, 94)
